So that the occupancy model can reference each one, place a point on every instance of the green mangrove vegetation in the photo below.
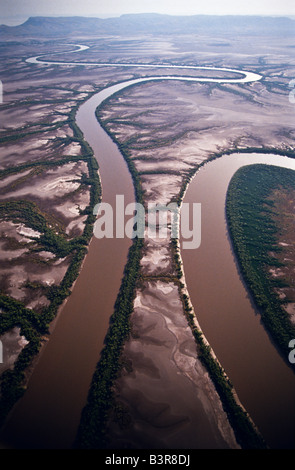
(253, 230)
(92, 429)
(34, 325)
(92, 432)
(101, 401)
(245, 431)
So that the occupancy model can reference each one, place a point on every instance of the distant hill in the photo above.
(150, 23)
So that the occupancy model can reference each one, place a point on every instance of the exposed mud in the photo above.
(170, 398)
(169, 129)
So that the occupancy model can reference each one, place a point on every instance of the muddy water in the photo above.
(48, 415)
(263, 381)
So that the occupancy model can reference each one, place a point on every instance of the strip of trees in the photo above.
(254, 238)
(92, 429)
(34, 325)
(92, 432)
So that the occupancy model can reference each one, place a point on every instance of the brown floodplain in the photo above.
(168, 130)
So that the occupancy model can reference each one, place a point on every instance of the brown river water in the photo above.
(48, 415)
(264, 382)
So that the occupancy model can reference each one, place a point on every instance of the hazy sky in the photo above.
(17, 11)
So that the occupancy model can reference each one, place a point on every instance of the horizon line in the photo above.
(22, 20)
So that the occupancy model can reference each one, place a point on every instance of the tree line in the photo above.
(253, 233)
(34, 325)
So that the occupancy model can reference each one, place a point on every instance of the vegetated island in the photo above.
(260, 215)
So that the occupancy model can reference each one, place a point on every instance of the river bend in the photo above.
(48, 414)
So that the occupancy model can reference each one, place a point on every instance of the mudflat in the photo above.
(167, 129)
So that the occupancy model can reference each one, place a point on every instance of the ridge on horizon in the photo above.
(129, 23)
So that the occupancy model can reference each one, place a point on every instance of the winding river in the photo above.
(264, 382)
(48, 415)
